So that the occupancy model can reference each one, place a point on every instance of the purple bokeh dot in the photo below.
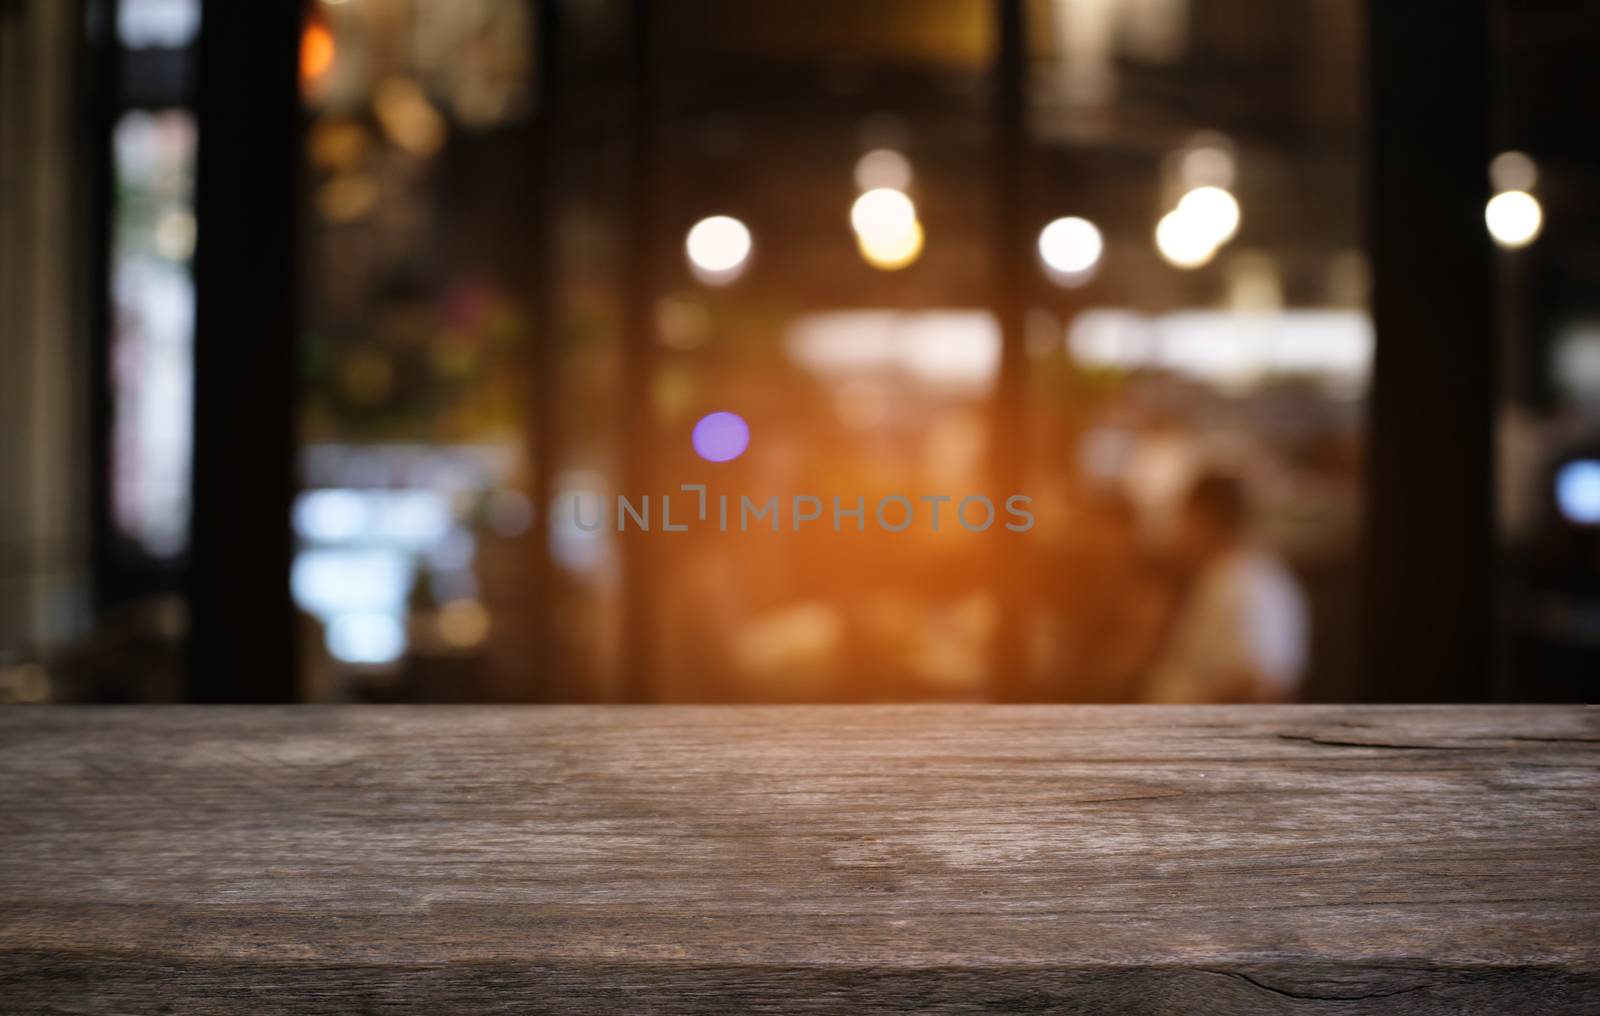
(721, 437)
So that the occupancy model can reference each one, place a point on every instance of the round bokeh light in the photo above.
(1578, 491)
(718, 248)
(1514, 218)
(720, 437)
(1070, 246)
(883, 211)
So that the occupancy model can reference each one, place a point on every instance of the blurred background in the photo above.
(318, 321)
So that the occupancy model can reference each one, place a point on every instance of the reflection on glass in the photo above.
(1192, 290)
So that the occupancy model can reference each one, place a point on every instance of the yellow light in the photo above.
(1183, 241)
(1514, 218)
(891, 248)
(718, 248)
(887, 231)
(1070, 246)
(1212, 211)
(883, 211)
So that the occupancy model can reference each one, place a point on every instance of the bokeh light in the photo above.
(1183, 241)
(882, 211)
(463, 623)
(317, 52)
(891, 248)
(1514, 218)
(1207, 165)
(1213, 211)
(366, 638)
(720, 436)
(883, 168)
(1070, 246)
(887, 231)
(1513, 171)
(408, 117)
(718, 248)
(1578, 491)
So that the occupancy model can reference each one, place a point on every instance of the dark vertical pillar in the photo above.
(1430, 546)
(545, 358)
(242, 638)
(638, 356)
(1008, 413)
(102, 68)
(1518, 367)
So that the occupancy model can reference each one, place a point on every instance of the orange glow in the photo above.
(316, 51)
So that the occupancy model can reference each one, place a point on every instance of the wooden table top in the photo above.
(1044, 859)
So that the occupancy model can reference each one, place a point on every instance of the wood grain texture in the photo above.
(1123, 860)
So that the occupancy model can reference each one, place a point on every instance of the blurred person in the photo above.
(1164, 463)
(1241, 631)
(1117, 607)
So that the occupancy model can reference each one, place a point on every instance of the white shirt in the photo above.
(1244, 616)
